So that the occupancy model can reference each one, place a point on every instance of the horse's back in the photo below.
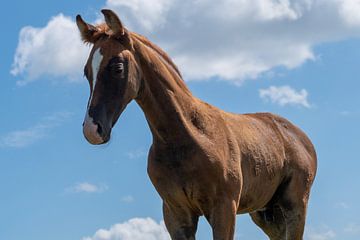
(298, 148)
(275, 137)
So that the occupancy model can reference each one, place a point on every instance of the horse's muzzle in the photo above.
(94, 132)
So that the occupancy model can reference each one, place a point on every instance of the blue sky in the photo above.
(284, 60)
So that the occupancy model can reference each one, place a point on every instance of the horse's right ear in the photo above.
(87, 31)
(114, 23)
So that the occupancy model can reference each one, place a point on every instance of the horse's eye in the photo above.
(118, 68)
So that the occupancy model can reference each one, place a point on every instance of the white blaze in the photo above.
(90, 128)
(95, 65)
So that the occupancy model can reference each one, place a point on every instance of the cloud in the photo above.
(87, 188)
(55, 50)
(33, 134)
(127, 199)
(136, 154)
(345, 113)
(285, 95)
(238, 40)
(152, 12)
(233, 41)
(349, 9)
(133, 229)
(321, 235)
(353, 228)
(342, 205)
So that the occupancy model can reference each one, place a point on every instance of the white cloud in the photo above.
(127, 199)
(321, 235)
(136, 154)
(342, 205)
(285, 95)
(53, 51)
(234, 40)
(353, 228)
(238, 40)
(345, 113)
(87, 188)
(153, 12)
(133, 229)
(26, 137)
(349, 9)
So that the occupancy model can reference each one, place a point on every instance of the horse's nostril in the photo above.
(99, 129)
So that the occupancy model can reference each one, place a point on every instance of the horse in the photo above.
(203, 161)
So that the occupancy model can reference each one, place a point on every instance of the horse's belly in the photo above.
(260, 180)
(256, 198)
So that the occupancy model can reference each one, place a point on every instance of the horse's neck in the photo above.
(165, 100)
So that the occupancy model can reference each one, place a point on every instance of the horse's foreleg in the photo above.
(180, 222)
(222, 219)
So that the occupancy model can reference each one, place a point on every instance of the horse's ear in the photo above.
(114, 23)
(87, 31)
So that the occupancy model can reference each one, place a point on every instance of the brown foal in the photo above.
(203, 161)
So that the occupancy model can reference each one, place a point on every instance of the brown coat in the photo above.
(203, 161)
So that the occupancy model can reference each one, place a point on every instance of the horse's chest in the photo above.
(189, 175)
(178, 168)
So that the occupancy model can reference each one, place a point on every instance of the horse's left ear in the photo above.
(87, 31)
(114, 23)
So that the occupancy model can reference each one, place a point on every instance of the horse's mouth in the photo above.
(95, 133)
(106, 138)
(97, 140)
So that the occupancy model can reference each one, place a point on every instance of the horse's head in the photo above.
(113, 75)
